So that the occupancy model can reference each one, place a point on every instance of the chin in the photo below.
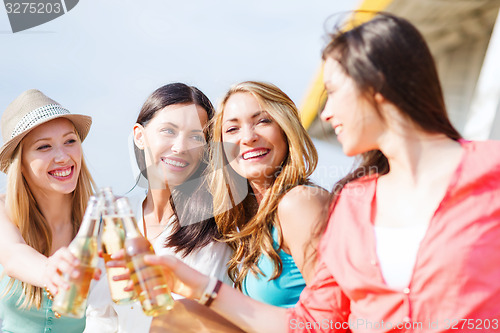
(66, 190)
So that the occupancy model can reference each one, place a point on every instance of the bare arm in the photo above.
(24, 263)
(299, 211)
(246, 313)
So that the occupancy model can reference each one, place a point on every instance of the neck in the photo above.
(259, 189)
(158, 204)
(414, 156)
(56, 208)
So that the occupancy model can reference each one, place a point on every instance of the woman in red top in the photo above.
(412, 243)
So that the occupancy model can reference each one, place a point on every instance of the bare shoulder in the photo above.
(302, 196)
(301, 204)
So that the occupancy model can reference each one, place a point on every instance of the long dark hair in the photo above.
(388, 55)
(194, 226)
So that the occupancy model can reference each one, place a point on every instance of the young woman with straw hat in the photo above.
(48, 186)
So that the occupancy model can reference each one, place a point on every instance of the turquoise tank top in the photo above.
(284, 291)
(32, 320)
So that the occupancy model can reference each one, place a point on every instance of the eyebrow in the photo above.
(42, 139)
(256, 114)
(176, 127)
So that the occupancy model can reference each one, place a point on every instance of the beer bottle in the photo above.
(112, 241)
(149, 281)
(73, 301)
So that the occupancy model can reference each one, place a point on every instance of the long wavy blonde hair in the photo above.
(245, 227)
(25, 214)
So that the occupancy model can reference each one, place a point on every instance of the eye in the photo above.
(265, 121)
(330, 91)
(70, 141)
(231, 129)
(169, 131)
(198, 138)
(43, 147)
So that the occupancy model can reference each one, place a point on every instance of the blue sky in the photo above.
(103, 58)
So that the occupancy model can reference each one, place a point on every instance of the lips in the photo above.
(62, 173)
(175, 162)
(255, 153)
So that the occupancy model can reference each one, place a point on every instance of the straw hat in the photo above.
(28, 110)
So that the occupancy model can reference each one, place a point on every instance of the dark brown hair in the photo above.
(388, 55)
(192, 203)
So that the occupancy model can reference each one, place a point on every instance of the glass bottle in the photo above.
(149, 281)
(73, 301)
(112, 241)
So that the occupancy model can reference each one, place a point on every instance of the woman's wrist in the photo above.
(210, 292)
(200, 288)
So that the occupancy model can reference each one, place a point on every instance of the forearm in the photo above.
(246, 313)
(25, 264)
(249, 314)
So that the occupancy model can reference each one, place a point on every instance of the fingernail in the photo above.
(75, 274)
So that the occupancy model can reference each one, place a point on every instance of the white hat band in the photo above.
(35, 116)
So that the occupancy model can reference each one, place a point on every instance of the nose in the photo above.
(248, 135)
(179, 145)
(61, 155)
(327, 113)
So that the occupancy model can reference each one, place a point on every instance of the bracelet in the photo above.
(211, 291)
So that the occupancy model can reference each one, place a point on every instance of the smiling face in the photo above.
(355, 120)
(254, 143)
(173, 142)
(51, 157)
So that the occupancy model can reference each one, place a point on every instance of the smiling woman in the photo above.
(48, 186)
(176, 215)
(261, 177)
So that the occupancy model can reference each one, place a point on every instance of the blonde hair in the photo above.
(250, 236)
(35, 230)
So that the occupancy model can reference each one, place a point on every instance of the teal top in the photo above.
(32, 320)
(284, 291)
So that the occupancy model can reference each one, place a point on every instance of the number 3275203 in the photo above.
(33, 8)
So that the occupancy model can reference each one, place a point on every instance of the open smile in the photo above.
(254, 154)
(338, 129)
(62, 173)
(175, 162)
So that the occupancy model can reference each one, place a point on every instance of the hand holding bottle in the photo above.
(62, 262)
(184, 280)
(150, 283)
(72, 302)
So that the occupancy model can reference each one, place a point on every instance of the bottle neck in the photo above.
(89, 227)
(90, 223)
(130, 226)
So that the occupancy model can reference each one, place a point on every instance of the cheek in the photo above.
(279, 140)
(77, 155)
(197, 154)
(230, 150)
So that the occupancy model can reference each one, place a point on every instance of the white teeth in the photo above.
(338, 129)
(254, 154)
(61, 173)
(174, 163)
